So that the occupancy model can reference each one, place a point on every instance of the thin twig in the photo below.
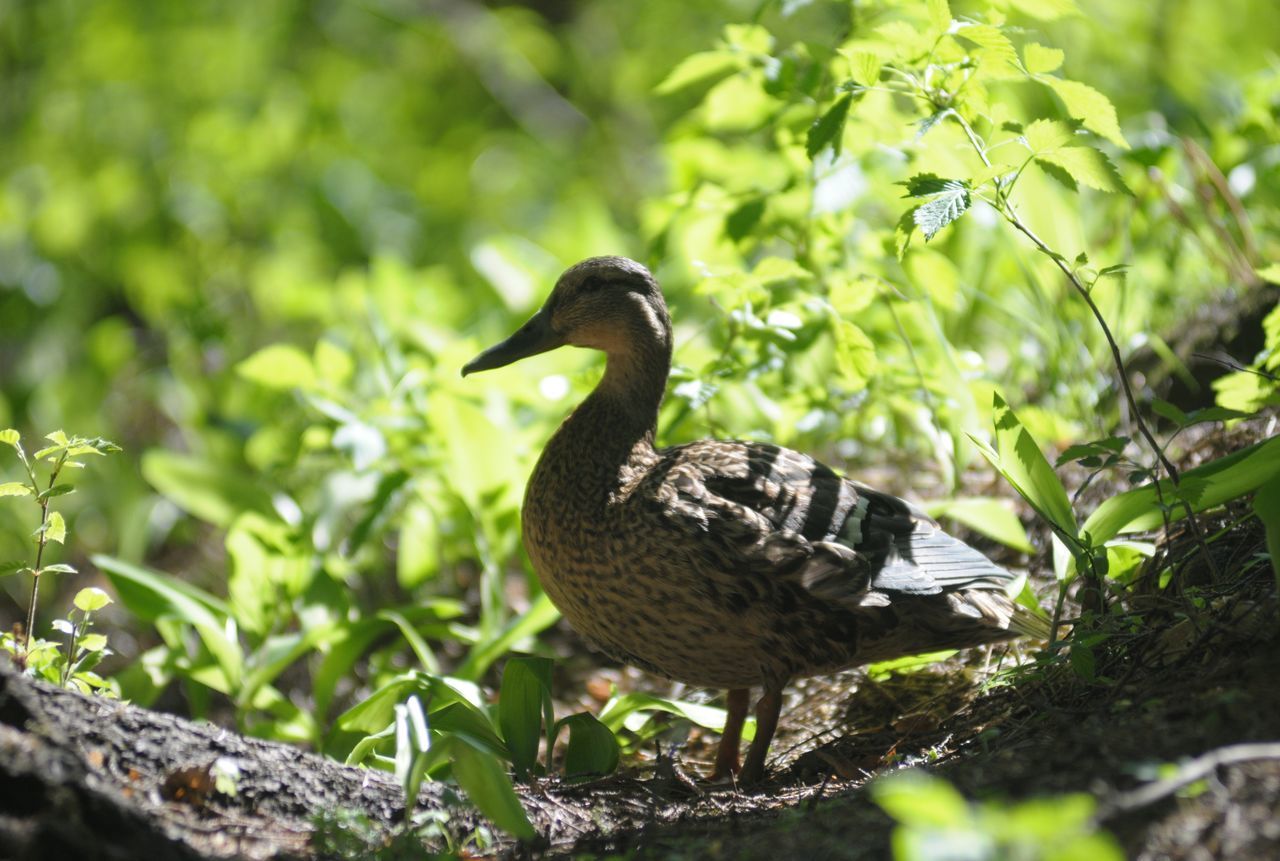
(1189, 772)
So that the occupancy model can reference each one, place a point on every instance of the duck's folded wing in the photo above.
(784, 513)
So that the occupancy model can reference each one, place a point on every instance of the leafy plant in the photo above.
(62, 454)
(937, 823)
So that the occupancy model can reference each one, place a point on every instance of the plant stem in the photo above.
(1006, 208)
(43, 540)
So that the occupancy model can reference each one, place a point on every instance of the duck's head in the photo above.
(605, 303)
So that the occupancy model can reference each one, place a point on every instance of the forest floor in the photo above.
(1172, 727)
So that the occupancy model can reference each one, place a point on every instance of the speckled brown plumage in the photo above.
(722, 563)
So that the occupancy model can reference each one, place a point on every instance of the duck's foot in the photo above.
(767, 711)
(727, 764)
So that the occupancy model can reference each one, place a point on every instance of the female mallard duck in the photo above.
(717, 563)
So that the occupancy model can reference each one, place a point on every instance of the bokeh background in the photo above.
(253, 243)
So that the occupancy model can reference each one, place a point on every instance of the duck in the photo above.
(725, 564)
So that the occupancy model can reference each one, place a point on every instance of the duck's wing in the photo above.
(782, 512)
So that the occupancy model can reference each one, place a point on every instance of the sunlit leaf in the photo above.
(1038, 59)
(279, 366)
(697, 68)
(55, 528)
(1090, 107)
(917, 798)
(91, 599)
(1087, 166)
(991, 517)
(14, 488)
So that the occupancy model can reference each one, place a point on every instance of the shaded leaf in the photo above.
(485, 780)
(592, 748)
(828, 128)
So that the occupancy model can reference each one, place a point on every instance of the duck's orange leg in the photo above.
(767, 711)
(727, 756)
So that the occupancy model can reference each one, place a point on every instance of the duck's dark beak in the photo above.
(534, 337)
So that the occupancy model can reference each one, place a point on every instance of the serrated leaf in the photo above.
(1090, 107)
(942, 209)
(828, 128)
(994, 43)
(14, 488)
(1087, 166)
(58, 438)
(1038, 59)
(1044, 135)
(91, 598)
(697, 68)
(865, 67)
(940, 15)
(55, 528)
(927, 184)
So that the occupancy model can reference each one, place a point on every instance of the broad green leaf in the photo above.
(1021, 462)
(916, 798)
(991, 517)
(279, 366)
(56, 490)
(1087, 166)
(153, 597)
(1266, 504)
(55, 528)
(91, 598)
(1216, 482)
(484, 779)
(524, 700)
(855, 355)
(828, 129)
(58, 438)
(210, 491)
(14, 488)
(541, 614)
(92, 642)
(592, 748)
(1090, 107)
(11, 437)
(705, 66)
(618, 710)
(1038, 59)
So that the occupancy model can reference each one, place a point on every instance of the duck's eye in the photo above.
(591, 284)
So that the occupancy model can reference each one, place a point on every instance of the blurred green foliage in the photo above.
(254, 243)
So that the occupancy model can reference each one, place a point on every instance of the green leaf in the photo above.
(828, 129)
(1266, 504)
(995, 45)
(918, 799)
(991, 517)
(939, 15)
(1215, 483)
(855, 355)
(705, 66)
(91, 599)
(524, 700)
(943, 209)
(1087, 166)
(1166, 410)
(14, 488)
(1044, 135)
(279, 366)
(486, 782)
(1083, 661)
(11, 437)
(55, 528)
(56, 490)
(413, 742)
(739, 223)
(213, 492)
(541, 614)
(1270, 274)
(592, 749)
(616, 712)
(1047, 10)
(92, 642)
(1038, 59)
(1024, 466)
(865, 67)
(1090, 107)
(154, 597)
(58, 568)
